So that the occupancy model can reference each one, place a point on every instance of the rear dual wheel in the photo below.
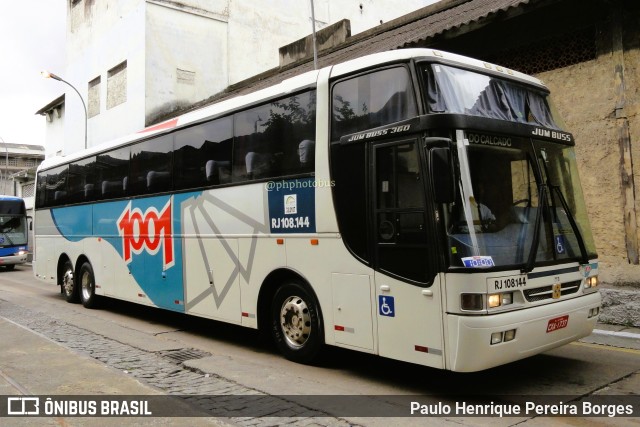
(80, 287)
(67, 283)
(88, 295)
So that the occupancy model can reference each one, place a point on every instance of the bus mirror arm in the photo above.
(441, 169)
(30, 219)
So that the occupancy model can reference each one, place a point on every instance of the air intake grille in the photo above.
(546, 292)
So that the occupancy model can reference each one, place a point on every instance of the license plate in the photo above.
(557, 323)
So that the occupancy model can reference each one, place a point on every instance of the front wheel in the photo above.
(296, 323)
(88, 295)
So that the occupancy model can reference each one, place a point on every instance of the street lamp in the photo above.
(48, 75)
(6, 164)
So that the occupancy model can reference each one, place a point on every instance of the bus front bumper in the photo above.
(553, 325)
(13, 259)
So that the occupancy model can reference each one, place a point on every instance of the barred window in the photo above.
(550, 54)
(117, 85)
(29, 189)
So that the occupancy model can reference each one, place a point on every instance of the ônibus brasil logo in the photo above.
(147, 231)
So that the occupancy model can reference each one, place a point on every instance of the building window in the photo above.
(117, 85)
(94, 97)
(28, 190)
(185, 76)
(550, 54)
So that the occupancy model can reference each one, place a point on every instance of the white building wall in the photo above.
(181, 51)
(55, 130)
(258, 29)
(186, 52)
(101, 35)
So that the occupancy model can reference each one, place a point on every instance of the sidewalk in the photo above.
(615, 336)
(31, 364)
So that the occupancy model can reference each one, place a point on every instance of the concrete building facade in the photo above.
(136, 60)
(18, 173)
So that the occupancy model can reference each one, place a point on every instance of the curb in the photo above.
(627, 338)
(619, 334)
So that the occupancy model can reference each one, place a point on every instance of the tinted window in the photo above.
(112, 173)
(12, 207)
(41, 185)
(453, 90)
(275, 139)
(52, 187)
(372, 100)
(203, 154)
(349, 171)
(82, 180)
(401, 232)
(151, 166)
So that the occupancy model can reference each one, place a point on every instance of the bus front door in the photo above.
(408, 296)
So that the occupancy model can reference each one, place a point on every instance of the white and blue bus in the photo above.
(13, 232)
(414, 204)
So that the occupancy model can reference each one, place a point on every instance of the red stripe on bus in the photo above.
(165, 125)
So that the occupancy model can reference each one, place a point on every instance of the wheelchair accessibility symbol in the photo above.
(560, 246)
(386, 306)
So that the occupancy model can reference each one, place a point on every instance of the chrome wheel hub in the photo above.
(295, 321)
(86, 286)
(67, 282)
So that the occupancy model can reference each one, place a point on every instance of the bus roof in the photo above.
(4, 198)
(293, 84)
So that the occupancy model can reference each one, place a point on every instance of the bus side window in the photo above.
(150, 166)
(82, 180)
(275, 139)
(112, 169)
(371, 100)
(55, 186)
(202, 154)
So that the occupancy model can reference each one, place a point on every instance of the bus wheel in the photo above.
(69, 288)
(295, 323)
(88, 295)
(10, 267)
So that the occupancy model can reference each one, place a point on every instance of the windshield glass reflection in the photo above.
(493, 221)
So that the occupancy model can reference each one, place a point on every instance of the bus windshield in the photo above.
(13, 223)
(454, 90)
(518, 202)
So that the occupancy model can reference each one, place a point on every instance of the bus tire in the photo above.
(10, 267)
(87, 286)
(296, 324)
(68, 283)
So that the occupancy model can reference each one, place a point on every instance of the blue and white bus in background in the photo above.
(414, 204)
(13, 232)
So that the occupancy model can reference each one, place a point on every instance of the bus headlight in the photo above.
(496, 300)
(591, 282)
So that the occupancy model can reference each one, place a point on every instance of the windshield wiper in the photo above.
(574, 225)
(536, 231)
